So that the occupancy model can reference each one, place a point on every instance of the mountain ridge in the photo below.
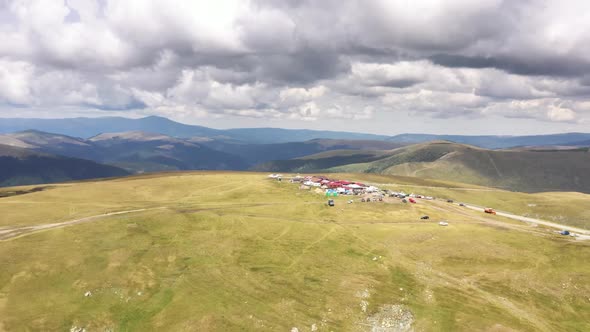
(22, 166)
(528, 171)
(89, 127)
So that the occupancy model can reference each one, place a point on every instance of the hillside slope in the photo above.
(529, 171)
(497, 142)
(207, 251)
(141, 151)
(135, 151)
(20, 166)
(260, 153)
(147, 152)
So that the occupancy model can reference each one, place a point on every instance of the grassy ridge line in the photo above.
(528, 171)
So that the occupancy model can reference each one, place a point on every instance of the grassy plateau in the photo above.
(230, 251)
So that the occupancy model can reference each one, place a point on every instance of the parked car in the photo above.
(330, 202)
(449, 201)
(412, 200)
(461, 204)
(489, 210)
(443, 223)
(425, 217)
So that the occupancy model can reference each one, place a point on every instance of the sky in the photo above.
(386, 67)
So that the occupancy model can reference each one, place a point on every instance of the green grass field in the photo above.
(224, 251)
(568, 208)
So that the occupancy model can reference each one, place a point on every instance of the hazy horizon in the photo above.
(384, 67)
(254, 126)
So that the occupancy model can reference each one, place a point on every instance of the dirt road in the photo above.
(531, 220)
(10, 233)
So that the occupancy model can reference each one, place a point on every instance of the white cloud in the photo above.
(543, 109)
(294, 96)
(14, 81)
(307, 112)
(304, 61)
(558, 113)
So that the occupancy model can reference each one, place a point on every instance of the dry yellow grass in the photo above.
(235, 251)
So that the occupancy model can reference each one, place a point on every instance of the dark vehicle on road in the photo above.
(330, 202)
(425, 217)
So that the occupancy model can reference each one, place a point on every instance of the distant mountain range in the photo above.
(523, 170)
(500, 142)
(89, 127)
(120, 146)
(136, 152)
(140, 152)
(21, 166)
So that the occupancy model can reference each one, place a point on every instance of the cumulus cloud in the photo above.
(293, 96)
(299, 61)
(14, 81)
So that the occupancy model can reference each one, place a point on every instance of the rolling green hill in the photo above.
(140, 151)
(223, 251)
(20, 166)
(529, 171)
(260, 153)
(148, 152)
(134, 151)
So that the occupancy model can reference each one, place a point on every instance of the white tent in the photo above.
(372, 189)
(354, 186)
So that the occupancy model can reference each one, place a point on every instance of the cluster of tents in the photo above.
(334, 187)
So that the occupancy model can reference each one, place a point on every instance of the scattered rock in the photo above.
(392, 318)
(294, 329)
(314, 327)
(375, 258)
(88, 294)
(363, 294)
(429, 296)
(364, 305)
(77, 329)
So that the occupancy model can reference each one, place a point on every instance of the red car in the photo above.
(412, 200)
